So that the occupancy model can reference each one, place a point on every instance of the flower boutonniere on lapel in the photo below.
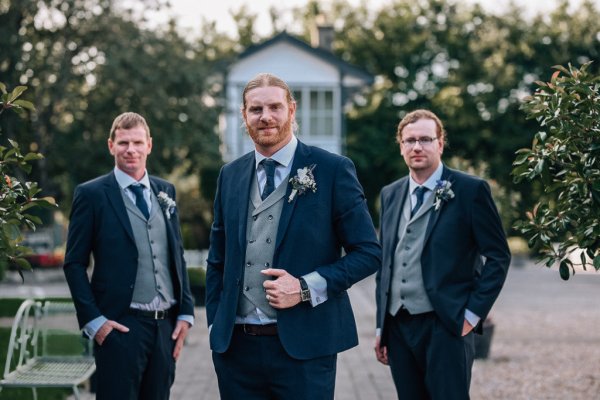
(443, 192)
(166, 203)
(303, 181)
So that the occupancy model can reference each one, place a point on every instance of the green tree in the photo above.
(18, 198)
(470, 66)
(88, 61)
(565, 158)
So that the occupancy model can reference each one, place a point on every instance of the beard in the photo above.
(283, 132)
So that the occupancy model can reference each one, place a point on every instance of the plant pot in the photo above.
(483, 342)
(199, 295)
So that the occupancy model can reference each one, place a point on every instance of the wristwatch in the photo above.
(304, 291)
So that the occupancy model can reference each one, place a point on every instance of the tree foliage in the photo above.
(468, 65)
(565, 158)
(18, 198)
(86, 61)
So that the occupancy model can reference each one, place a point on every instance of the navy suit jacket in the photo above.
(99, 225)
(313, 230)
(462, 231)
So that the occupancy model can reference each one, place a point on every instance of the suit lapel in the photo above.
(113, 192)
(302, 158)
(396, 204)
(435, 214)
(246, 170)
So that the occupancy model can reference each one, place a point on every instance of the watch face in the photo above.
(305, 295)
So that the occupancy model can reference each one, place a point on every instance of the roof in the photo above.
(327, 56)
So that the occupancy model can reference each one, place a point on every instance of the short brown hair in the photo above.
(416, 115)
(128, 120)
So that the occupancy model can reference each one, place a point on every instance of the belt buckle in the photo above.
(248, 332)
(159, 314)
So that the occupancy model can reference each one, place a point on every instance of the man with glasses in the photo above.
(445, 259)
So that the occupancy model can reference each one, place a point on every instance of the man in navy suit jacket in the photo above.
(277, 304)
(445, 259)
(138, 306)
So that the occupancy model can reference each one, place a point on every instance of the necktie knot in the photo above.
(140, 201)
(420, 193)
(269, 167)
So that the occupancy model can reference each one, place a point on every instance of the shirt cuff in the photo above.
(187, 318)
(317, 286)
(378, 332)
(92, 327)
(471, 318)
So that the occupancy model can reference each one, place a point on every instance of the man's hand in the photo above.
(381, 351)
(467, 327)
(107, 328)
(179, 334)
(284, 291)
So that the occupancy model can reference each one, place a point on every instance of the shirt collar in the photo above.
(430, 182)
(125, 180)
(283, 156)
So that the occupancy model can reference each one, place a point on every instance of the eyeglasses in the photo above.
(424, 141)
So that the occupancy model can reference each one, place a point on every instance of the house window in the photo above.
(315, 112)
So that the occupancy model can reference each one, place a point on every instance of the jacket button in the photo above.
(247, 288)
(267, 265)
(255, 217)
(268, 240)
(248, 264)
(270, 217)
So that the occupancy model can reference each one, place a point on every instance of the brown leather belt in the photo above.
(257, 330)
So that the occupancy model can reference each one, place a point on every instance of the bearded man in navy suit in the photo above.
(138, 306)
(445, 259)
(277, 304)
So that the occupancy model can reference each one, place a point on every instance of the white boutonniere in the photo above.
(443, 192)
(303, 181)
(167, 204)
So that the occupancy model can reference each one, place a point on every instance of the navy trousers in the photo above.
(258, 368)
(138, 364)
(426, 359)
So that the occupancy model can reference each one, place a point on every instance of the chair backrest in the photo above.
(23, 336)
(59, 331)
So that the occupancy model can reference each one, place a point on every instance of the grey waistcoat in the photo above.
(153, 276)
(261, 233)
(407, 277)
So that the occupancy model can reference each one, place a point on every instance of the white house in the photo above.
(321, 83)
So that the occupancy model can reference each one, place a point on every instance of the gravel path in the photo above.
(547, 339)
(546, 344)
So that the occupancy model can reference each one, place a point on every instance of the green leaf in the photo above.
(13, 143)
(16, 93)
(33, 218)
(564, 270)
(22, 263)
(25, 104)
(597, 262)
(2, 88)
(11, 230)
(33, 156)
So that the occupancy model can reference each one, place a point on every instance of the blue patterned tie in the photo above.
(269, 166)
(420, 193)
(140, 202)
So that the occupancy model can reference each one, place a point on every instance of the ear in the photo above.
(110, 147)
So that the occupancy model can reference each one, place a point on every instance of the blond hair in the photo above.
(128, 120)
